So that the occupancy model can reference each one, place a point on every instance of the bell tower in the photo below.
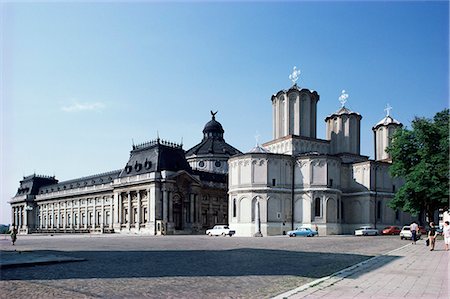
(383, 132)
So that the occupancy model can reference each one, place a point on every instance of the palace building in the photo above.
(161, 190)
(294, 180)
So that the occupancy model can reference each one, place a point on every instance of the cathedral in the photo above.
(293, 180)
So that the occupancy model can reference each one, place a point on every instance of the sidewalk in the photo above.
(412, 271)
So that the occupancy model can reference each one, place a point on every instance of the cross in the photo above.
(388, 109)
(257, 138)
(343, 97)
(294, 75)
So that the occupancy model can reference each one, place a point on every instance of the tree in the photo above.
(421, 157)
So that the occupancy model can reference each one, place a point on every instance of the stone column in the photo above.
(94, 212)
(58, 210)
(138, 221)
(191, 214)
(65, 212)
(170, 216)
(129, 210)
(46, 216)
(79, 214)
(112, 209)
(165, 204)
(86, 213)
(53, 215)
(150, 207)
(120, 207)
(257, 221)
(41, 218)
(20, 216)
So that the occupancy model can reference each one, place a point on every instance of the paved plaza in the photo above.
(117, 266)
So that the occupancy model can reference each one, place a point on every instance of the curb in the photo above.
(342, 274)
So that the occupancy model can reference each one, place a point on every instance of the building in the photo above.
(299, 180)
(161, 190)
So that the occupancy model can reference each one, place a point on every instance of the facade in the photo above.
(157, 192)
(300, 180)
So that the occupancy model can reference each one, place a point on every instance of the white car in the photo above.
(405, 233)
(220, 230)
(366, 231)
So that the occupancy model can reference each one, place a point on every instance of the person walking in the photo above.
(414, 230)
(446, 233)
(432, 233)
(13, 235)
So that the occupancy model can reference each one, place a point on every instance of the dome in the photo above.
(213, 128)
(388, 120)
(343, 111)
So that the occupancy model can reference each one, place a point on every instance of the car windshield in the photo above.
(406, 228)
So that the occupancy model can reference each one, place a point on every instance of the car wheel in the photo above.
(223, 235)
(376, 234)
(364, 234)
(293, 235)
(401, 238)
(209, 234)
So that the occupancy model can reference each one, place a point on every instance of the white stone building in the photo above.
(300, 180)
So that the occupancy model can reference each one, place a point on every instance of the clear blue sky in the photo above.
(79, 81)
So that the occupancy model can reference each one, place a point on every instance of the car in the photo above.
(220, 230)
(423, 230)
(302, 231)
(366, 231)
(391, 230)
(405, 233)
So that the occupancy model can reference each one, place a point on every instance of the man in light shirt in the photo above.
(446, 234)
(414, 230)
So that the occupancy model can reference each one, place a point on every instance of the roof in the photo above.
(388, 120)
(153, 156)
(298, 89)
(343, 111)
(258, 149)
(213, 142)
(31, 184)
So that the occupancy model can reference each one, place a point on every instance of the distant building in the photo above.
(157, 192)
(299, 180)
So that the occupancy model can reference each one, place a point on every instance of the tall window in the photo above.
(234, 207)
(317, 207)
(397, 215)
(342, 210)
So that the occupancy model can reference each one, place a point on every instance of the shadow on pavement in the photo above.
(187, 263)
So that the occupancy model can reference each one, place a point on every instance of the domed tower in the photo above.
(212, 153)
(295, 110)
(383, 132)
(343, 129)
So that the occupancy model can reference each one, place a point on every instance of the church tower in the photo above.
(343, 129)
(383, 132)
(294, 111)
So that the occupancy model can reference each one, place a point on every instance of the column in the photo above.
(41, 218)
(46, 216)
(192, 199)
(165, 204)
(20, 216)
(112, 209)
(150, 207)
(120, 207)
(25, 217)
(86, 215)
(129, 210)
(53, 216)
(138, 222)
(65, 213)
(79, 214)
(94, 211)
(58, 210)
(170, 216)
(102, 214)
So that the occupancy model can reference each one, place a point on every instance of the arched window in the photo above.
(317, 203)
(234, 207)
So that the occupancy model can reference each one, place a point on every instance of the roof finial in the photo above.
(294, 75)
(214, 115)
(388, 110)
(343, 98)
(257, 138)
(157, 136)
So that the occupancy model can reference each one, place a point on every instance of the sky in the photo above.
(81, 81)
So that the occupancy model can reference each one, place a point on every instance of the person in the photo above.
(13, 235)
(432, 233)
(414, 230)
(446, 233)
(317, 229)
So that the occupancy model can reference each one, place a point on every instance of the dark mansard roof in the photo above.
(153, 156)
(213, 142)
(31, 184)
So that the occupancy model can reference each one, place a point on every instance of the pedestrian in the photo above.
(432, 233)
(446, 233)
(317, 229)
(13, 235)
(414, 230)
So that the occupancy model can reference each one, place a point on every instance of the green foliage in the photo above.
(421, 157)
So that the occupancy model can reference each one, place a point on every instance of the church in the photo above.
(293, 180)
(298, 180)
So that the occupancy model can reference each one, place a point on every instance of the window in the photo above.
(201, 164)
(274, 182)
(331, 183)
(317, 207)
(218, 164)
(397, 215)
(393, 188)
(234, 207)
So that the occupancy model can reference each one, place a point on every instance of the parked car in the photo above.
(220, 230)
(302, 231)
(366, 231)
(391, 230)
(423, 230)
(405, 233)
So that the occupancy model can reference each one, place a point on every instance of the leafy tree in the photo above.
(421, 157)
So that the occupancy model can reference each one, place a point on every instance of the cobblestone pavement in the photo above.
(120, 266)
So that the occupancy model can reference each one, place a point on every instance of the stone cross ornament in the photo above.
(343, 98)
(388, 109)
(294, 75)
